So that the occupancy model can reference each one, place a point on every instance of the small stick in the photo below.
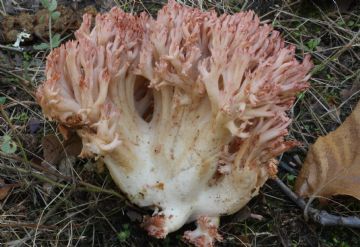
(79, 184)
(319, 216)
(287, 168)
(10, 48)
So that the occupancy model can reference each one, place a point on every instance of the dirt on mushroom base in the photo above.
(59, 214)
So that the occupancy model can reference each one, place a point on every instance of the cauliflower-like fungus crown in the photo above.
(188, 110)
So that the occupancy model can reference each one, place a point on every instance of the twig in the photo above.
(10, 48)
(35, 166)
(287, 168)
(80, 185)
(319, 216)
(24, 83)
(22, 103)
(27, 225)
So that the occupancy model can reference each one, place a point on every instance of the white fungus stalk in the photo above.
(188, 110)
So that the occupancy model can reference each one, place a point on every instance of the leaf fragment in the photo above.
(52, 5)
(42, 46)
(8, 146)
(5, 189)
(332, 165)
(2, 100)
(55, 15)
(55, 150)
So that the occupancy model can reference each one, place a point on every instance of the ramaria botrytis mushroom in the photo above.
(188, 110)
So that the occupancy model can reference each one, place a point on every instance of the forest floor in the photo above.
(44, 203)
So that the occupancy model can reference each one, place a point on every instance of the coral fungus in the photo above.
(188, 110)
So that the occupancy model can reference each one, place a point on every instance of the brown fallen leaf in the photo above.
(52, 148)
(5, 189)
(332, 165)
(55, 151)
(60, 155)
